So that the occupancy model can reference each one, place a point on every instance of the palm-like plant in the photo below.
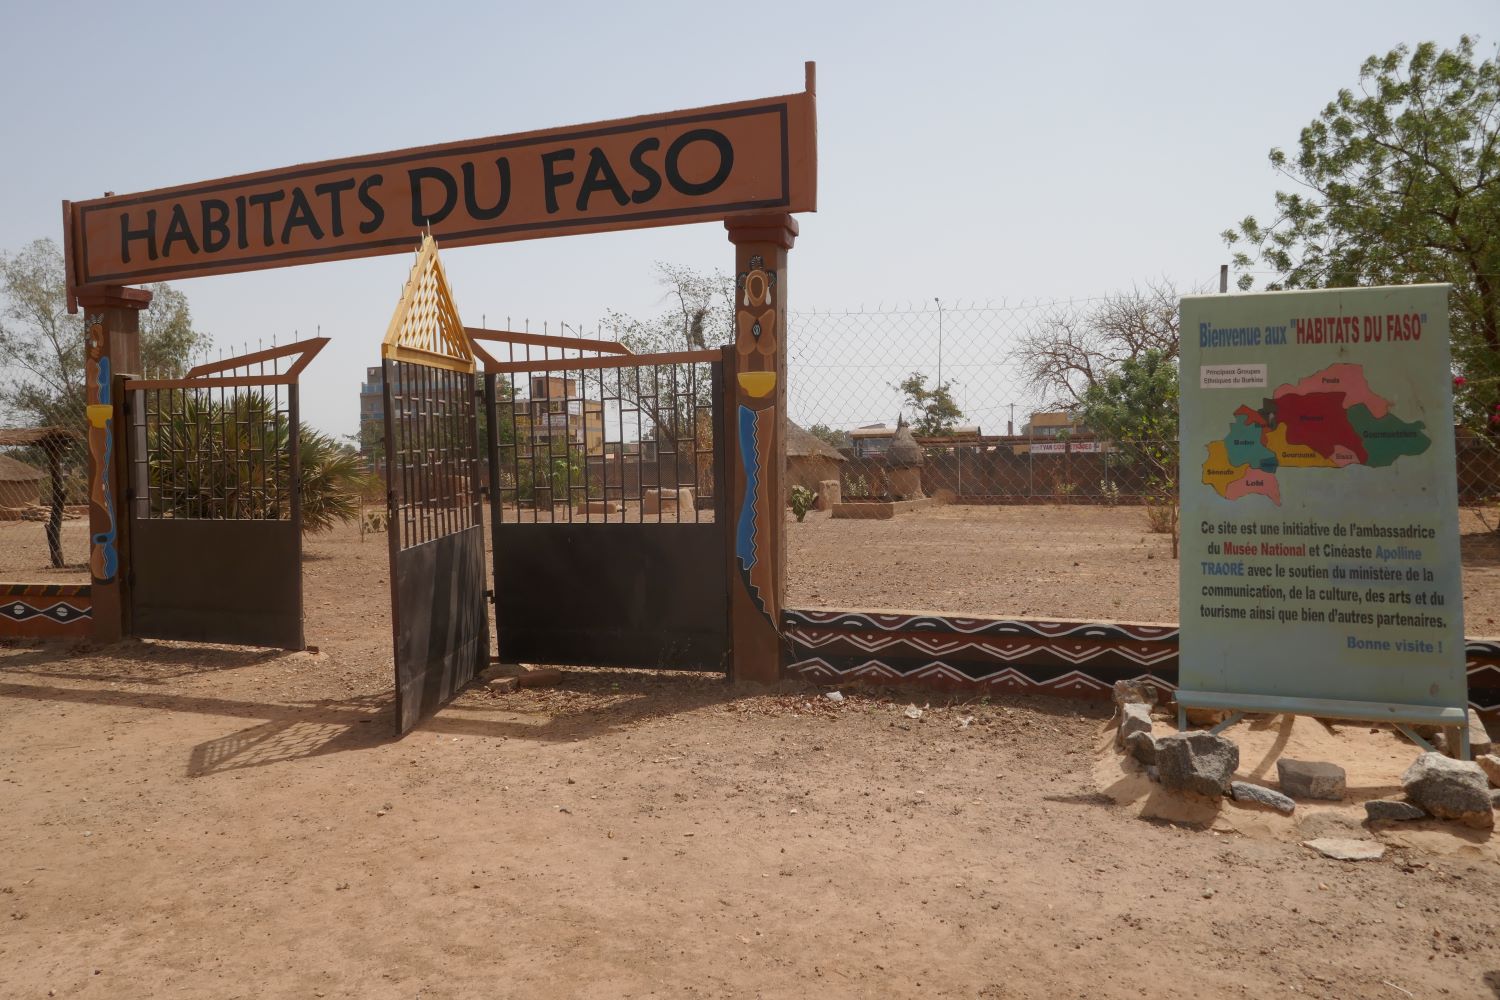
(232, 460)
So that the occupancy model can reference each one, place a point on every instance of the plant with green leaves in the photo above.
(1398, 182)
(802, 501)
(1134, 410)
(934, 413)
(231, 460)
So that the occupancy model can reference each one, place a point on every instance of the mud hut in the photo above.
(20, 484)
(905, 459)
(809, 459)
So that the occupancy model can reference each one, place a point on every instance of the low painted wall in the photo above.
(975, 655)
(46, 610)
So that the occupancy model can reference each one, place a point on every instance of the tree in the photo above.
(699, 313)
(43, 345)
(934, 412)
(1134, 410)
(1077, 346)
(829, 435)
(1400, 183)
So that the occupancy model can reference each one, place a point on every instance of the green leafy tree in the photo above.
(1398, 181)
(43, 346)
(829, 435)
(1134, 409)
(934, 413)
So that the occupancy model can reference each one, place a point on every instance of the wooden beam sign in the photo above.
(657, 170)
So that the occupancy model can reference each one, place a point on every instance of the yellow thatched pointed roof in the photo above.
(426, 328)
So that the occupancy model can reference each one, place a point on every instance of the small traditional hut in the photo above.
(905, 458)
(809, 459)
(20, 484)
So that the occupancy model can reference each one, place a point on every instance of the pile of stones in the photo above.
(1203, 764)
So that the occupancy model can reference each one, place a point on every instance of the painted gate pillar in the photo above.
(111, 330)
(757, 440)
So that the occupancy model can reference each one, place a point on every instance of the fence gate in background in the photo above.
(606, 505)
(213, 543)
(438, 614)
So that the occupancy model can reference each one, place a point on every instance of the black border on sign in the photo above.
(779, 108)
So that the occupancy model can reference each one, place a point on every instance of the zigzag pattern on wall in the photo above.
(39, 610)
(1079, 659)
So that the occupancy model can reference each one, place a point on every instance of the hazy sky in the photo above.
(967, 151)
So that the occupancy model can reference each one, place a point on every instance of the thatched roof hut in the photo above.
(20, 484)
(805, 444)
(809, 459)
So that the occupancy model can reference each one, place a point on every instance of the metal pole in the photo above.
(940, 341)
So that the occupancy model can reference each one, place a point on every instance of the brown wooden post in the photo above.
(112, 345)
(757, 446)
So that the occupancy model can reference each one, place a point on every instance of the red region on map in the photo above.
(1251, 416)
(1317, 420)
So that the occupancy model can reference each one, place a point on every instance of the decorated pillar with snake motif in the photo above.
(111, 330)
(757, 447)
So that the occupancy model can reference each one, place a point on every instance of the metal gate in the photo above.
(438, 616)
(606, 507)
(214, 534)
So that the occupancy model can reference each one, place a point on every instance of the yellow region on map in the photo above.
(1217, 472)
(1297, 455)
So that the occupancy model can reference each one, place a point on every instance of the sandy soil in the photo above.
(1074, 562)
(203, 822)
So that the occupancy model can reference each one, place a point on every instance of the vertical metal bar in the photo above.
(294, 461)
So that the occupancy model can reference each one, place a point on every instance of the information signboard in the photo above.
(1320, 549)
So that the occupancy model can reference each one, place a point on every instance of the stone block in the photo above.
(1392, 810)
(830, 492)
(1310, 779)
(1134, 718)
(1199, 763)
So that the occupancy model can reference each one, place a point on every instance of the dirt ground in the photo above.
(1071, 562)
(218, 822)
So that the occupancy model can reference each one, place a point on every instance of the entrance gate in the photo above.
(213, 500)
(607, 507)
(434, 521)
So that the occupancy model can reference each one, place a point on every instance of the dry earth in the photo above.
(204, 822)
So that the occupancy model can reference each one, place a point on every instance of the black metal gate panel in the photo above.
(608, 521)
(439, 618)
(214, 535)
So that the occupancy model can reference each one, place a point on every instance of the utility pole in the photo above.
(940, 340)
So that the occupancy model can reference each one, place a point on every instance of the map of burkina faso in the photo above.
(1326, 421)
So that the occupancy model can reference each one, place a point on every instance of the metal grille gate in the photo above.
(214, 532)
(439, 619)
(606, 508)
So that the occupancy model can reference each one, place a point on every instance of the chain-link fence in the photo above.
(44, 497)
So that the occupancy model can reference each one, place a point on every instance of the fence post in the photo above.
(757, 443)
(112, 345)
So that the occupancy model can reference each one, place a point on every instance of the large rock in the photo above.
(1450, 789)
(1490, 765)
(1391, 810)
(1257, 795)
(1311, 779)
(1200, 763)
(1135, 717)
(1141, 746)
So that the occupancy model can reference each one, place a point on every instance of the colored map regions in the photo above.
(1329, 420)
